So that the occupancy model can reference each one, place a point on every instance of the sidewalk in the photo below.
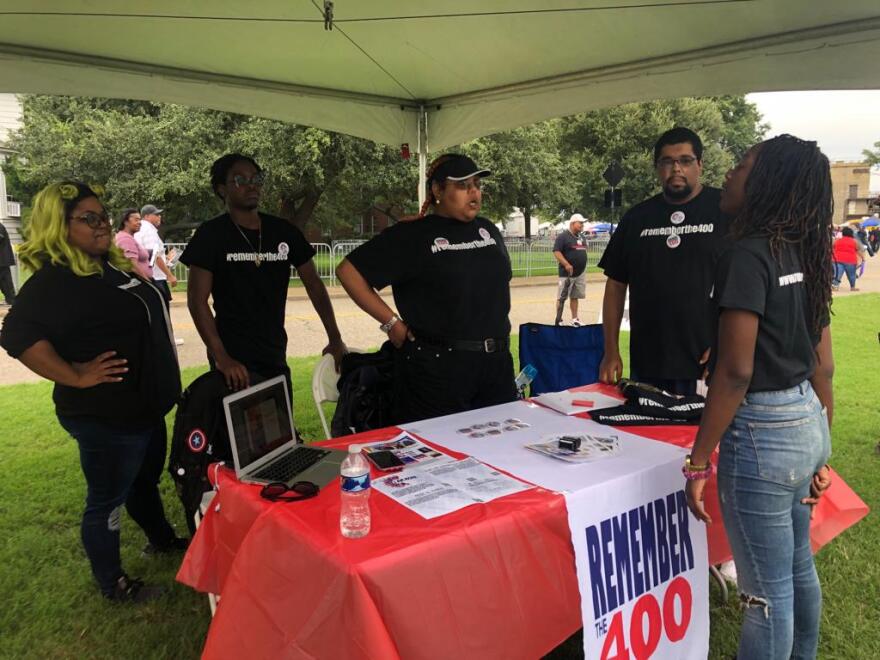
(335, 292)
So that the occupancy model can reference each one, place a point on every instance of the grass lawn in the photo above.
(52, 610)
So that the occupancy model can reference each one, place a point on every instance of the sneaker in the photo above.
(176, 544)
(575, 323)
(178, 341)
(133, 590)
(728, 571)
(854, 288)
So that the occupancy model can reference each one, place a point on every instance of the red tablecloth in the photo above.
(491, 581)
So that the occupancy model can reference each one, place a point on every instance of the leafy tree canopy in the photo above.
(161, 153)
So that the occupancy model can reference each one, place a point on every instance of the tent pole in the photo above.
(423, 154)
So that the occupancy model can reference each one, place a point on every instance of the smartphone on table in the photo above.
(384, 460)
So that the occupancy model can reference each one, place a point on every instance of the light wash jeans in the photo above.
(768, 456)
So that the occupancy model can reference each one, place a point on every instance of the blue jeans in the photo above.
(768, 456)
(840, 269)
(120, 467)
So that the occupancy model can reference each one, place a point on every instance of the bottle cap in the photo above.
(354, 449)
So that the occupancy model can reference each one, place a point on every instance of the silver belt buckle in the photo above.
(489, 345)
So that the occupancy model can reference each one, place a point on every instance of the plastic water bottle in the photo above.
(525, 377)
(354, 515)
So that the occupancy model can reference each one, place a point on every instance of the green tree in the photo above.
(727, 125)
(161, 153)
(872, 156)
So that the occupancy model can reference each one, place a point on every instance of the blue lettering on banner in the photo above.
(638, 550)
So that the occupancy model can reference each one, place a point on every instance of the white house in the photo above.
(10, 120)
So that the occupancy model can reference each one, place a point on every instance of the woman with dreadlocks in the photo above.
(770, 399)
(450, 276)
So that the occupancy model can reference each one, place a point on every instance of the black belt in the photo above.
(489, 345)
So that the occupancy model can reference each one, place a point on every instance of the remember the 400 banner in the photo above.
(642, 566)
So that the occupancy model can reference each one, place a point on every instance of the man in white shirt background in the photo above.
(149, 239)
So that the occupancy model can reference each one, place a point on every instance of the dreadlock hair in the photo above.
(789, 200)
(429, 179)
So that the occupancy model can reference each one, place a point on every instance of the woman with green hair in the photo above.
(102, 335)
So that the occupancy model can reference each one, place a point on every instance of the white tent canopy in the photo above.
(458, 69)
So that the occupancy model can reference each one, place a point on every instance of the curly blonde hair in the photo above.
(47, 232)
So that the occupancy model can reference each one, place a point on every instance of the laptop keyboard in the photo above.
(288, 465)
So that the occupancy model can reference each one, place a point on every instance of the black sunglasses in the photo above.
(276, 491)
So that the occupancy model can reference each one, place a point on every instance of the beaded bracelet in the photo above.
(693, 475)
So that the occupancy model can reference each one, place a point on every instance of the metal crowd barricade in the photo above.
(528, 257)
(342, 249)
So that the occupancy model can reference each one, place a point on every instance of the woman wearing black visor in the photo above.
(449, 272)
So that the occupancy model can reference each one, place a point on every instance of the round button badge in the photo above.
(673, 241)
(484, 234)
(677, 217)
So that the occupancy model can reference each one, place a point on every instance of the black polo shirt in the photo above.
(666, 253)
(450, 279)
(749, 278)
(250, 299)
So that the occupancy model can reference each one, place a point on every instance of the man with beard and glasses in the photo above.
(664, 252)
(242, 259)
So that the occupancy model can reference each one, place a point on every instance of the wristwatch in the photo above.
(386, 327)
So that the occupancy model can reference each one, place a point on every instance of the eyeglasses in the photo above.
(92, 219)
(241, 181)
(275, 492)
(684, 162)
(468, 185)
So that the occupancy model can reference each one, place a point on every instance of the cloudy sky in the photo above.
(842, 122)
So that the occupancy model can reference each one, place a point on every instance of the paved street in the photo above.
(533, 299)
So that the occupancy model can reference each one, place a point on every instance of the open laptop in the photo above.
(263, 441)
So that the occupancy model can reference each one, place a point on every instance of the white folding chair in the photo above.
(213, 599)
(324, 380)
(324, 390)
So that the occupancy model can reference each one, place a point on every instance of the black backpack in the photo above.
(199, 439)
(365, 392)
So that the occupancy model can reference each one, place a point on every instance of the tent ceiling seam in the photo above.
(645, 67)
(368, 56)
(188, 75)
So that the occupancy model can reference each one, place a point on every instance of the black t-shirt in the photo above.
(450, 279)
(749, 278)
(574, 249)
(666, 253)
(250, 299)
(83, 317)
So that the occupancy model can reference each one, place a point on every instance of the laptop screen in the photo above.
(261, 422)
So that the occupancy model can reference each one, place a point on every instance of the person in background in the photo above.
(129, 224)
(848, 255)
(149, 239)
(449, 272)
(570, 251)
(242, 260)
(102, 335)
(770, 401)
(7, 263)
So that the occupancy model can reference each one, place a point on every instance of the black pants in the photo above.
(6, 284)
(163, 287)
(431, 381)
(120, 467)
